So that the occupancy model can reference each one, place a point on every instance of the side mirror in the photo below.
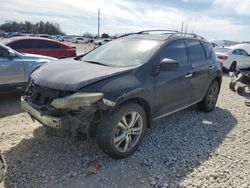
(168, 65)
(12, 54)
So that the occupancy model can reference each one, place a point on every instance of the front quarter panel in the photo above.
(137, 83)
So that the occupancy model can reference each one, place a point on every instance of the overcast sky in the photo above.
(213, 19)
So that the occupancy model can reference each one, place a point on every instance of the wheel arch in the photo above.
(144, 104)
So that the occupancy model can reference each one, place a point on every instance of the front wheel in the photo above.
(209, 101)
(120, 133)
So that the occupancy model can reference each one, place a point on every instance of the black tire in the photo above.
(209, 101)
(232, 86)
(241, 91)
(109, 130)
(233, 67)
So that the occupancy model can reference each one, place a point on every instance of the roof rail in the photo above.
(158, 30)
(194, 35)
(150, 31)
(171, 32)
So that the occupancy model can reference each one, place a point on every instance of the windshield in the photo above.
(221, 50)
(123, 52)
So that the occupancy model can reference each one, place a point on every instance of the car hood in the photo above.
(71, 75)
(25, 56)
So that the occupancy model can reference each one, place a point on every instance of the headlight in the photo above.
(76, 100)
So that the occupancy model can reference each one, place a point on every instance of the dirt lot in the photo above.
(186, 149)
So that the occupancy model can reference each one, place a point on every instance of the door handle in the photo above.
(188, 75)
(211, 67)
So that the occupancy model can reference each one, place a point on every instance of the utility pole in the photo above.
(186, 29)
(182, 27)
(98, 23)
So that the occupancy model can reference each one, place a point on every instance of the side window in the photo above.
(21, 44)
(244, 53)
(176, 51)
(3, 53)
(196, 51)
(237, 52)
(208, 49)
(44, 44)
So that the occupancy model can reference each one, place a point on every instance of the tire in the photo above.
(114, 135)
(241, 91)
(232, 86)
(209, 101)
(233, 67)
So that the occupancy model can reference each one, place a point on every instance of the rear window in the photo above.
(21, 44)
(221, 50)
(44, 44)
(208, 48)
(197, 53)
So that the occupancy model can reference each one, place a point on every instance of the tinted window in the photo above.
(244, 53)
(237, 52)
(197, 53)
(44, 44)
(3, 53)
(208, 49)
(21, 44)
(176, 51)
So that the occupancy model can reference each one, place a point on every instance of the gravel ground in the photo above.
(186, 149)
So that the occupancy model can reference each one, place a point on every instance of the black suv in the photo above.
(116, 90)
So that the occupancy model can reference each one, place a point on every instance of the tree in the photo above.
(105, 35)
(28, 27)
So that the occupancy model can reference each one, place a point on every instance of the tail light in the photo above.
(222, 57)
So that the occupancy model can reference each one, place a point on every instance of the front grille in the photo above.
(43, 96)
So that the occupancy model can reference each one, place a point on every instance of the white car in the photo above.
(232, 56)
(80, 40)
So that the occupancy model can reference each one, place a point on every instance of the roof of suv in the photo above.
(165, 35)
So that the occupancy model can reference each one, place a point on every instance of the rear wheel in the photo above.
(209, 101)
(120, 133)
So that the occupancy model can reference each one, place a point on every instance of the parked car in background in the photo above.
(15, 67)
(233, 57)
(117, 89)
(80, 40)
(101, 41)
(41, 46)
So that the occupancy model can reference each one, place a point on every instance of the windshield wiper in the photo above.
(96, 62)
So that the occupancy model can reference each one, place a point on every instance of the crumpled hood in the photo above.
(71, 75)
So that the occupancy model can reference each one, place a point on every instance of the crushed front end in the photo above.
(64, 113)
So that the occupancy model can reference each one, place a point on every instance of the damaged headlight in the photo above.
(76, 100)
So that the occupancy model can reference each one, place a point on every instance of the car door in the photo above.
(23, 46)
(239, 58)
(202, 68)
(173, 88)
(46, 47)
(11, 69)
(245, 59)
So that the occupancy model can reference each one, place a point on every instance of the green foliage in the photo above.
(105, 35)
(36, 28)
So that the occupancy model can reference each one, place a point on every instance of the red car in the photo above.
(41, 46)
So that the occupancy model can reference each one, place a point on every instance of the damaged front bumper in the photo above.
(47, 120)
(68, 122)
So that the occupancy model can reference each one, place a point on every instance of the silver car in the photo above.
(16, 67)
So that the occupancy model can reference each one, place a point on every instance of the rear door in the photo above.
(173, 88)
(11, 69)
(202, 68)
(245, 59)
(46, 47)
(23, 46)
